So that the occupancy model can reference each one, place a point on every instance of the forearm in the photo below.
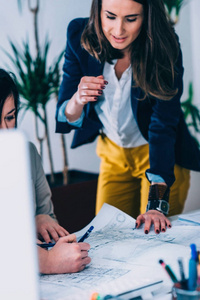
(44, 265)
(73, 109)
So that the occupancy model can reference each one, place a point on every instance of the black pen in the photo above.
(86, 234)
(183, 279)
(46, 245)
(180, 262)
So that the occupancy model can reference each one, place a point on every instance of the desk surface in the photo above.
(124, 258)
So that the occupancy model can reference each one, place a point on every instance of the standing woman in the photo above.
(123, 81)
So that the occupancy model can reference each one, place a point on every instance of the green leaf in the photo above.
(36, 82)
(174, 4)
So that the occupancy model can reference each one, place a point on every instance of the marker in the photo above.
(46, 245)
(169, 271)
(198, 272)
(85, 236)
(192, 280)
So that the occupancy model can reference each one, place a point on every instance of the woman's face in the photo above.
(8, 113)
(121, 22)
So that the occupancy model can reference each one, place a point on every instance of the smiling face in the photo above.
(121, 22)
(8, 113)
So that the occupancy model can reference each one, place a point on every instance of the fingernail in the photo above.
(163, 230)
(157, 231)
(105, 82)
(146, 232)
(169, 226)
(100, 92)
(95, 98)
(136, 224)
(103, 86)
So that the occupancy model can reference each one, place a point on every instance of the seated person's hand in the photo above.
(47, 228)
(153, 217)
(66, 256)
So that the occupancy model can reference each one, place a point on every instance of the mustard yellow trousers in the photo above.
(122, 181)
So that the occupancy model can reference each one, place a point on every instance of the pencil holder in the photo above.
(180, 294)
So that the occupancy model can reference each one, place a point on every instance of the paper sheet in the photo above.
(122, 257)
(193, 217)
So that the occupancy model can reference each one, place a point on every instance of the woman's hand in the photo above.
(48, 228)
(89, 89)
(66, 256)
(153, 217)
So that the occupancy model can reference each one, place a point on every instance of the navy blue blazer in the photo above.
(160, 122)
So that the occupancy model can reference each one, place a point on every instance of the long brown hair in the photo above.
(153, 54)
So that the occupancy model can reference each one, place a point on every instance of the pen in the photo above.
(169, 271)
(183, 279)
(46, 245)
(180, 262)
(85, 236)
(192, 280)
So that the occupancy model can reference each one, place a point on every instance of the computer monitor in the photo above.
(18, 253)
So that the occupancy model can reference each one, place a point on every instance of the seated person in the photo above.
(66, 256)
(46, 223)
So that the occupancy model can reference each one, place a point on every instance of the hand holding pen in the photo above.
(67, 256)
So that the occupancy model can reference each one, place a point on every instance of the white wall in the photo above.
(54, 17)
(188, 30)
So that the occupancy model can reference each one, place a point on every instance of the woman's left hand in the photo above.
(153, 217)
(48, 228)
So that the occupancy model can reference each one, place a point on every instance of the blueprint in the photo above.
(122, 257)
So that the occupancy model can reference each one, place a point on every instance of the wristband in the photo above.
(158, 198)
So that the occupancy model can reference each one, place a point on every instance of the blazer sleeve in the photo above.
(163, 130)
(72, 71)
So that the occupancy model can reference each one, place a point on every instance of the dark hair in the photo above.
(153, 54)
(8, 87)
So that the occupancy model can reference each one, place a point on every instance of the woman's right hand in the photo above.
(89, 89)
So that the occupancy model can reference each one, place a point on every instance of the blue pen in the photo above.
(192, 280)
(86, 234)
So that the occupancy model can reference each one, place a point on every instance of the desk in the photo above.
(124, 258)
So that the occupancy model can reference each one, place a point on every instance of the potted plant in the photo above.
(37, 83)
